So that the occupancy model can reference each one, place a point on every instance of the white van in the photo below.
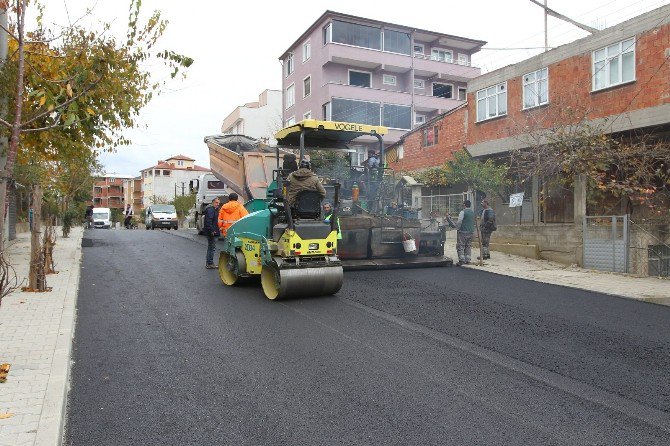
(102, 218)
(161, 216)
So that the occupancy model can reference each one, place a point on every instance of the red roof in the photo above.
(166, 166)
(181, 157)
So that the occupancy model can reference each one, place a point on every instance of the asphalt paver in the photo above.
(166, 354)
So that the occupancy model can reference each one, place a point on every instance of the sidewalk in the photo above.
(647, 289)
(36, 331)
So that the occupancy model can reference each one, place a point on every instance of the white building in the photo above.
(168, 178)
(259, 120)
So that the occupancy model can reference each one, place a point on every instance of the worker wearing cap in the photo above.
(301, 180)
(230, 213)
(328, 215)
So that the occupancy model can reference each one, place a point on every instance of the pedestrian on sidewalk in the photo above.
(465, 228)
(487, 226)
(211, 229)
(128, 213)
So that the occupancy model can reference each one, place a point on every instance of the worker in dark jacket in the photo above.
(301, 180)
(211, 229)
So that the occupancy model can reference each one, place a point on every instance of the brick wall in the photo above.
(451, 139)
(570, 87)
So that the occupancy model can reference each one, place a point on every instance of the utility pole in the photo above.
(551, 12)
(546, 30)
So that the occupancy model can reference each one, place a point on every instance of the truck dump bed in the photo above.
(247, 170)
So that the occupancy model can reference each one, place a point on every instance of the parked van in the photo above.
(102, 218)
(161, 216)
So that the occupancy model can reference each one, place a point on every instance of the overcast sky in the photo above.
(236, 45)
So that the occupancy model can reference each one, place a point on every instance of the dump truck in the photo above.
(205, 188)
(294, 251)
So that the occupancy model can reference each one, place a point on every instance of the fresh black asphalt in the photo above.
(166, 354)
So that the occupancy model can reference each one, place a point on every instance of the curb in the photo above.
(52, 420)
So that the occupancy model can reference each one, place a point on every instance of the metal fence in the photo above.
(606, 243)
(439, 205)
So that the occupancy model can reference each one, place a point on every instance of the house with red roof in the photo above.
(168, 178)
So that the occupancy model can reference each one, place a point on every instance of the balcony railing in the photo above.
(416, 55)
(465, 63)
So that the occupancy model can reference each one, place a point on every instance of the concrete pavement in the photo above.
(36, 331)
(647, 289)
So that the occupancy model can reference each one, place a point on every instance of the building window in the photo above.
(326, 111)
(112, 180)
(389, 79)
(442, 55)
(327, 33)
(430, 136)
(401, 151)
(419, 119)
(351, 110)
(290, 121)
(443, 90)
(535, 88)
(290, 96)
(360, 78)
(306, 86)
(146, 174)
(420, 84)
(157, 173)
(614, 64)
(180, 163)
(356, 35)
(166, 173)
(492, 102)
(397, 116)
(463, 59)
(396, 42)
(462, 94)
(307, 115)
(306, 51)
(288, 64)
(358, 156)
(419, 49)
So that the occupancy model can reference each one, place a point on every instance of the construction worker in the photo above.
(230, 213)
(301, 180)
(328, 215)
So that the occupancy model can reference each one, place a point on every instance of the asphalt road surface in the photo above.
(165, 354)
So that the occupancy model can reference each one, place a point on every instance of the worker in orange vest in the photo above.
(230, 213)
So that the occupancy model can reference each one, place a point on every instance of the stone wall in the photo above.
(556, 242)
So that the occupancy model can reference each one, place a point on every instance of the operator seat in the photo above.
(307, 205)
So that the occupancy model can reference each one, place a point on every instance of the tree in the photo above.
(74, 92)
(565, 143)
(183, 204)
(78, 90)
(463, 169)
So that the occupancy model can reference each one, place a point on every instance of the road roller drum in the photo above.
(279, 283)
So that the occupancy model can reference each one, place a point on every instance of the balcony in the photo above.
(424, 65)
(422, 103)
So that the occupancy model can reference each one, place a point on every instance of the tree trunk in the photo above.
(36, 276)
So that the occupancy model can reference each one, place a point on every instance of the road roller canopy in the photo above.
(325, 134)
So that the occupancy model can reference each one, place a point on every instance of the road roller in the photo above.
(293, 251)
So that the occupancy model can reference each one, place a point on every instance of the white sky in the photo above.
(236, 45)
